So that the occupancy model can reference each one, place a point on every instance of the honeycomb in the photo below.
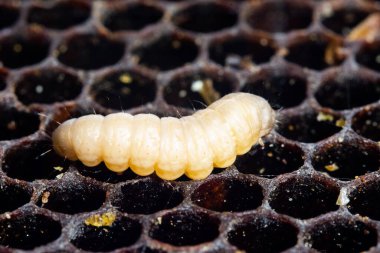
(313, 186)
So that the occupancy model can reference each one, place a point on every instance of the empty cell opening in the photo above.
(47, 86)
(367, 123)
(310, 126)
(28, 231)
(167, 52)
(314, 52)
(282, 90)
(17, 51)
(205, 17)
(263, 234)
(132, 17)
(146, 197)
(347, 159)
(89, 51)
(13, 195)
(16, 124)
(8, 16)
(343, 20)
(282, 16)
(341, 235)
(347, 90)
(241, 52)
(123, 90)
(185, 228)
(72, 197)
(369, 56)
(112, 233)
(228, 195)
(270, 160)
(61, 16)
(305, 197)
(32, 161)
(3, 77)
(364, 199)
(103, 174)
(195, 89)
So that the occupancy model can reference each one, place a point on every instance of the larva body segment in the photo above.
(171, 147)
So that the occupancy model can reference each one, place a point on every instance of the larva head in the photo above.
(62, 141)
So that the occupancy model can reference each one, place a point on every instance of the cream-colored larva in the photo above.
(191, 145)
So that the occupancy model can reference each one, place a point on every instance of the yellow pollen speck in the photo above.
(340, 122)
(59, 168)
(101, 220)
(332, 167)
(125, 78)
(45, 197)
(324, 117)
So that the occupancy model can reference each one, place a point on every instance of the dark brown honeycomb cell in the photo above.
(228, 195)
(124, 89)
(60, 16)
(3, 77)
(20, 50)
(195, 89)
(16, 124)
(369, 56)
(314, 51)
(134, 16)
(346, 158)
(272, 159)
(339, 234)
(89, 51)
(114, 232)
(364, 198)
(146, 197)
(309, 126)
(33, 160)
(27, 231)
(13, 195)
(367, 123)
(8, 15)
(185, 228)
(305, 197)
(283, 87)
(343, 20)
(241, 52)
(342, 90)
(205, 17)
(47, 86)
(102, 174)
(72, 196)
(256, 234)
(166, 52)
(280, 16)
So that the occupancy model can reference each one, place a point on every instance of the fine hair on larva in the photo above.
(192, 145)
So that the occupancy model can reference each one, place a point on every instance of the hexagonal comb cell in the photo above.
(339, 234)
(305, 197)
(272, 159)
(27, 231)
(89, 51)
(241, 51)
(166, 52)
(146, 197)
(205, 17)
(347, 89)
(3, 76)
(105, 232)
(228, 195)
(13, 195)
(195, 89)
(255, 234)
(124, 89)
(284, 16)
(185, 228)
(8, 15)
(367, 123)
(134, 16)
(282, 86)
(23, 49)
(346, 158)
(61, 15)
(309, 125)
(47, 86)
(368, 55)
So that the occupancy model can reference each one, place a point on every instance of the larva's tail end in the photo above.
(62, 143)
